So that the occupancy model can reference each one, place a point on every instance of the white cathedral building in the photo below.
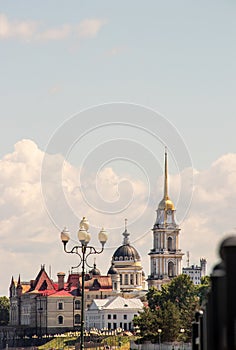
(126, 269)
(166, 255)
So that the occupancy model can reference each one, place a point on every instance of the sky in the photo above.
(91, 93)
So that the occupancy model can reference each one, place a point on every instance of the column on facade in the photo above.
(174, 241)
(164, 241)
(122, 279)
(179, 266)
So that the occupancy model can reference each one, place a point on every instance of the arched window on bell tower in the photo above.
(170, 243)
(171, 269)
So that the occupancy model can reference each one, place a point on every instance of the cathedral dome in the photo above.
(166, 204)
(126, 252)
(95, 271)
(112, 270)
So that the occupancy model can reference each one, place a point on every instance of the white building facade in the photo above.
(196, 272)
(113, 313)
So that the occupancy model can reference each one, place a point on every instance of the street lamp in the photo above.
(86, 250)
(182, 330)
(159, 335)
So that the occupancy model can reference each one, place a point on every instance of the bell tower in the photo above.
(165, 256)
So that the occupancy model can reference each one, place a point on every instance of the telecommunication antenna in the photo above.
(187, 258)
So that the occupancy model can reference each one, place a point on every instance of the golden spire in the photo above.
(166, 203)
(166, 177)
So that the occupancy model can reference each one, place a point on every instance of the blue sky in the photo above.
(175, 57)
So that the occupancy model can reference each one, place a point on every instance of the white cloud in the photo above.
(60, 33)
(89, 28)
(17, 29)
(29, 30)
(29, 238)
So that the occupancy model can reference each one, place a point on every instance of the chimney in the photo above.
(61, 276)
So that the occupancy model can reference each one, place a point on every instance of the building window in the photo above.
(109, 317)
(77, 318)
(169, 243)
(114, 326)
(60, 319)
(109, 325)
(114, 317)
(121, 325)
(125, 317)
(126, 279)
(77, 305)
(171, 269)
(121, 280)
(60, 305)
(131, 279)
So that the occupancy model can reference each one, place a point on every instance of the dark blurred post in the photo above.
(215, 328)
(228, 254)
(216, 315)
(196, 330)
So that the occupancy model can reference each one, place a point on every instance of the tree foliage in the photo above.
(148, 323)
(170, 309)
(4, 311)
(203, 289)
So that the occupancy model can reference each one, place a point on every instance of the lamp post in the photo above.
(159, 335)
(182, 330)
(86, 250)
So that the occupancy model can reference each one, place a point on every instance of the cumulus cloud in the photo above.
(17, 29)
(89, 28)
(29, 237)
(29, 30)
(211, 217)
(59, 33)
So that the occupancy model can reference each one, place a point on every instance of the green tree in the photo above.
(174, 306)
(203, 289)
(183, 293)
(4, 311)
(148, 322)
(171, 322)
